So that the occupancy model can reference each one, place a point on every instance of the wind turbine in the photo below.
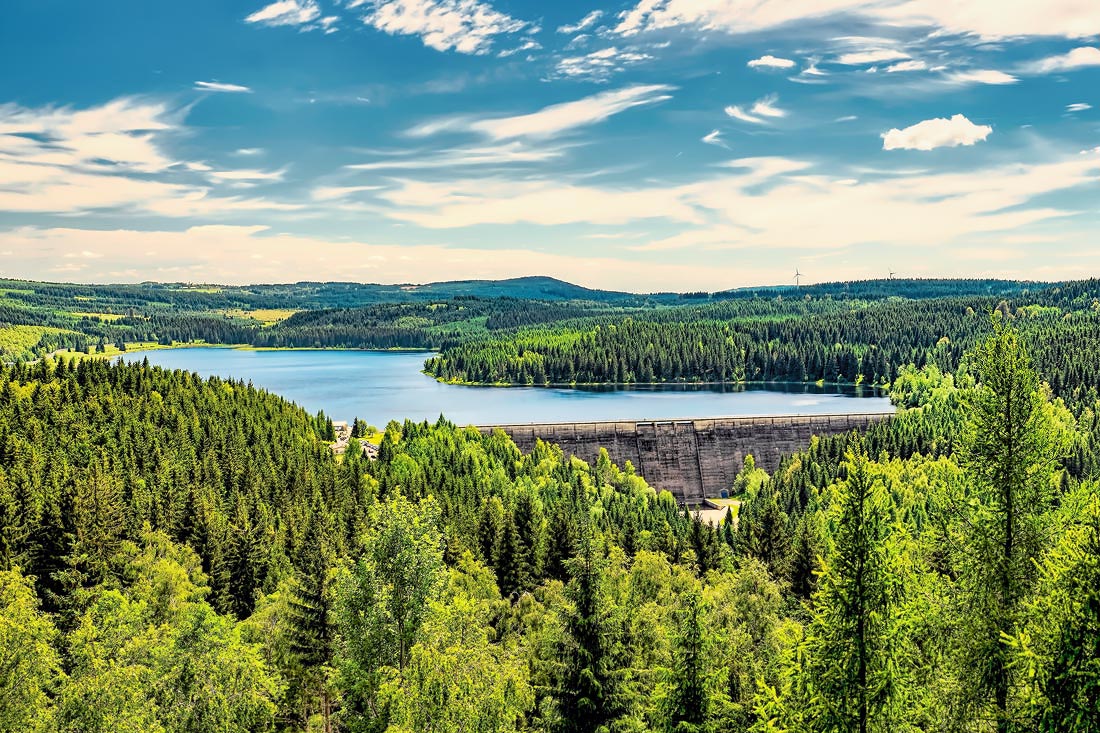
(892, 273)
(797, 275)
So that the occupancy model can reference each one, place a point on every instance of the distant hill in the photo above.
(315, 295)
(913, 288)
(301, 295)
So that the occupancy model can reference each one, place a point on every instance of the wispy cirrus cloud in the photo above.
(600, 65)
(583, 24)
(113, 156)
(982, 19)
(982, 76)
(714, 137)
(940, 132)
(465, 26)
(555, 119)
(871, 56)
(910, 65)
(511, 153)
(1078, 58)
(761, 111)
(286, 13)
(217, 86)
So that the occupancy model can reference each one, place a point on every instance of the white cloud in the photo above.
(749, 204)
(714, 137)
(771, 62)
(586, 22)
(216, 86)
(555, 119)
(246, 175)
(989, 19)
(982, 76)
(527, 45)
(761, 110)
(1078, 107)
(1078, 58)
(911, 65)
(601, 64)
(936, 133)
(286, 12)
(513, 152)
(465, 26)
(871, 56)
(738, 113)
(766, 107)
(111, 157)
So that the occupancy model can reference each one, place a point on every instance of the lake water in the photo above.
(379, 386)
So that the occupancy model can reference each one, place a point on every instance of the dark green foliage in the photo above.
(586, 692)
(688, 704)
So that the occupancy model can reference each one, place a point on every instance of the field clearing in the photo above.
(266, 316)
(20, 340)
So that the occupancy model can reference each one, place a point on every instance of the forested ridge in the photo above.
(800, 341)
(40, 318)
(179, 554)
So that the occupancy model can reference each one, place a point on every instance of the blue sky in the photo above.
(641, 145)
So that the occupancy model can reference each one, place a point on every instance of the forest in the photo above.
(179, 554)
(38, 319)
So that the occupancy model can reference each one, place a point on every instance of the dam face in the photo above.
(693, 459)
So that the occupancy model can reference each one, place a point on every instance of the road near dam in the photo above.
(692, 459)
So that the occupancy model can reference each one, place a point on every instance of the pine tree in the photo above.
(310, 626)
(688, 702)
(586, 695)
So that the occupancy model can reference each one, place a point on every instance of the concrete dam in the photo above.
(693, 459)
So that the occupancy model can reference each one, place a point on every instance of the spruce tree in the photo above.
(586, 694)
(688, 701)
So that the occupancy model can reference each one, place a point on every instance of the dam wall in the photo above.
(693, 459)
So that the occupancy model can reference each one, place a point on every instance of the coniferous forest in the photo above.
(180, 554)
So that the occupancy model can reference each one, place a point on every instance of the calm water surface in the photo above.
(380, 386)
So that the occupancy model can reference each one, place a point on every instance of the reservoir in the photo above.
(379, 386)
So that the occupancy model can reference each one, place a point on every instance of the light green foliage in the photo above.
(29, 666)
(382, 602)
(856, 643)
(1013, 447)
(1058, 645)
(457, 679)
(155, 656)
(919, 387)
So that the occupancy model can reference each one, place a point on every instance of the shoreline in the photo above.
(739, 383)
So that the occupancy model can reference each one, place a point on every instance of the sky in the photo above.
(642, 145)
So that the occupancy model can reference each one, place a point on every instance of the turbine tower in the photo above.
(797, 278)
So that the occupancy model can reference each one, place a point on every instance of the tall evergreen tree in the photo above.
(688, 708)
(586, 694)
(1011, 451)
(855, 642)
